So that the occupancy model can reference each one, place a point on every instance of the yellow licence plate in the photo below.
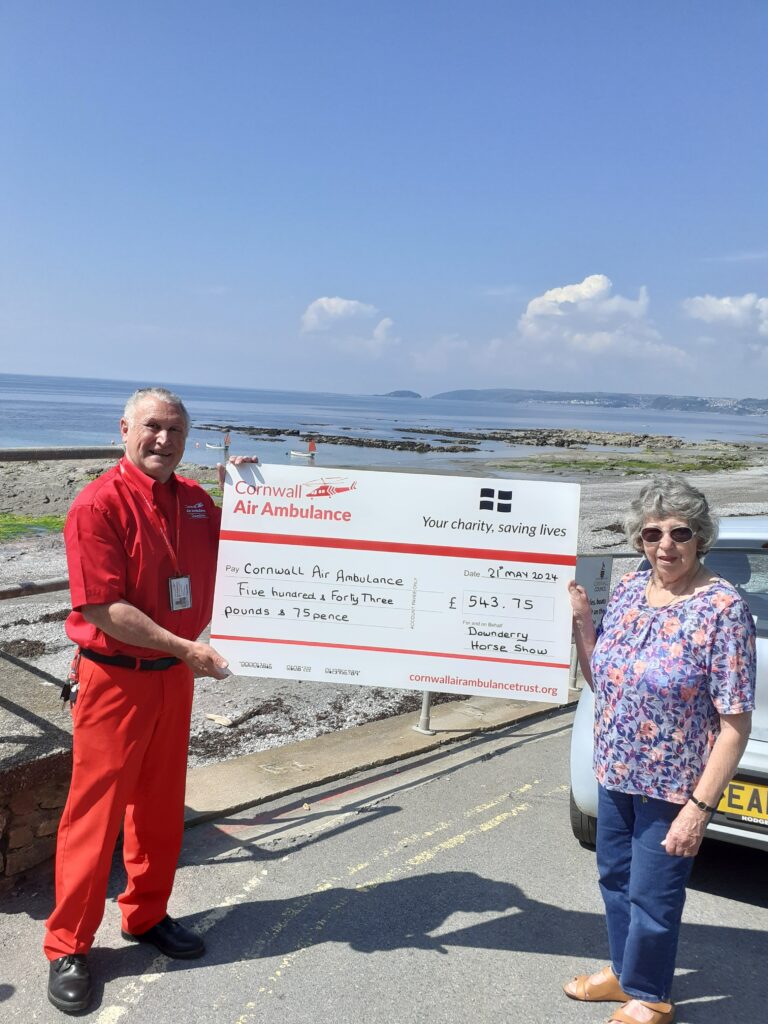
(745, 801)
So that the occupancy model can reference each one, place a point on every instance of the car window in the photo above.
(748, 572)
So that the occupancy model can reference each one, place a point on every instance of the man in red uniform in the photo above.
(141, 550)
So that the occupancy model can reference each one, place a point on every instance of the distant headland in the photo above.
(611, 400)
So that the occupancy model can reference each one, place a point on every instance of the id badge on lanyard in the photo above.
(179, 586)
(180, 593)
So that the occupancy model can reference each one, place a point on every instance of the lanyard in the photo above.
(160, 521)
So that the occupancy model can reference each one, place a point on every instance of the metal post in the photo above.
(423, 726)
(574, 668)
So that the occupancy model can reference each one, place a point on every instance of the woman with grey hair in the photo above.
(673, 671)
(670, 495)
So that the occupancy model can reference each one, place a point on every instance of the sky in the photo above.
(359, 196)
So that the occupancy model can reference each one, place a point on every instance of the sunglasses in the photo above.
(679, 534)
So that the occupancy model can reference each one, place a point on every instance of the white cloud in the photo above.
(381, 332)
(591, 300)
(321, 314)
(344, 323)
(743, 312)
(578, 336)
(588, 319)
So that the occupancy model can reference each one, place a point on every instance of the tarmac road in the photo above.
(445, 888)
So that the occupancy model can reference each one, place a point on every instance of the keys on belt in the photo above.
(70, 688)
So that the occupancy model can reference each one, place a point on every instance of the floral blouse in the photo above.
(661, 677)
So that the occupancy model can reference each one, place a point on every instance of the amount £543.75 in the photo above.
(522, 606)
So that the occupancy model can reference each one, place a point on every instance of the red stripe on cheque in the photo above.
(397, 548)
(385, 650)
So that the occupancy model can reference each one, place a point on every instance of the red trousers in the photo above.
(130, 741)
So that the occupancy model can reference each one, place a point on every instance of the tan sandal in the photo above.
(607, 990)
(663, 1013)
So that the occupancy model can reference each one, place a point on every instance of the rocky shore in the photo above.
(576, 453)
(465, 440)
(400, 445)
(271, 713)
(555, 437)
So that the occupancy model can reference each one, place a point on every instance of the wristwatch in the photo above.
(700, 804)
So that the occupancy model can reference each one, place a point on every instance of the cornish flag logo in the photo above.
(492, 500)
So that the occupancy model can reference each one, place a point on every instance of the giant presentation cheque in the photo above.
(397, 579)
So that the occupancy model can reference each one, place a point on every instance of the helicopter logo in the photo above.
(327, 488)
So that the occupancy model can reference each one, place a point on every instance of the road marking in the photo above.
(133, 991)
(111, 1014)
(407, 867)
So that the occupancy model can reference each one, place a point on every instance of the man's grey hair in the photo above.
(671, 497)
(162, 395)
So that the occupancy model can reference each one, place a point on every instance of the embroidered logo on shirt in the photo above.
(196, 511)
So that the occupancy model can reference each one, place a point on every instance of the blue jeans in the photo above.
(643, 889)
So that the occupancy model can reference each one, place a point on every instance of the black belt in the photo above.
(126, 661)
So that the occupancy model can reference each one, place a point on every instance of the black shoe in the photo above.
(172, 939)
(69, 983)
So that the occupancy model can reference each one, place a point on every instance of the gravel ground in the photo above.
(272, 712)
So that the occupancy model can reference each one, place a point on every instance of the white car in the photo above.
(741, 556)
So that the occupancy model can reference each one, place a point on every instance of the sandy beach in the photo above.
(32, 629)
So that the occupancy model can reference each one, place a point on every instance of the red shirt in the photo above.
(116, 552)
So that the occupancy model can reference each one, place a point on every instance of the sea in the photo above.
(41, 411)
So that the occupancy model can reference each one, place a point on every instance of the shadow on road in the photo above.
(222, 836)
(417, 913)
(733, 872)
